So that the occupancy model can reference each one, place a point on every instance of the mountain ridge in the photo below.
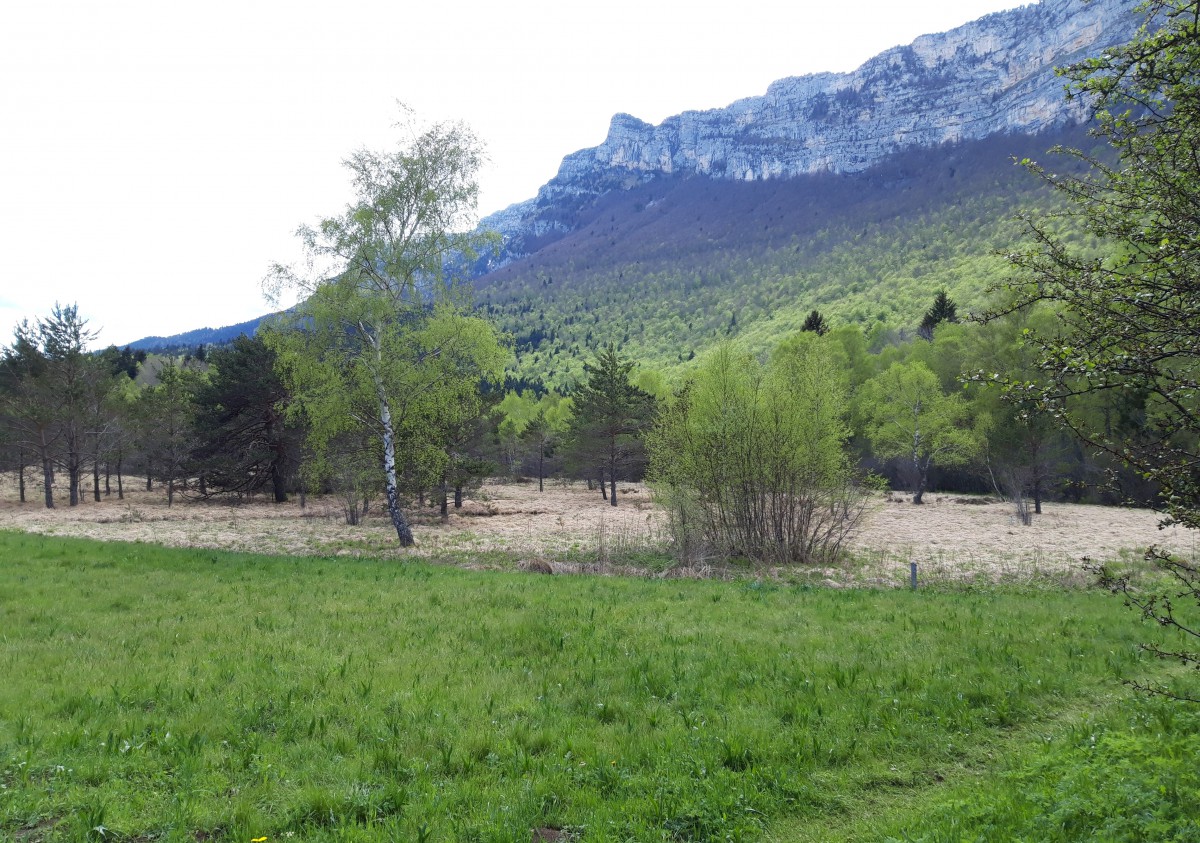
(990, 76)
(586, 258)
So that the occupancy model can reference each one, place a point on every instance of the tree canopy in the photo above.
(379, 331)
(1128, 332)
(1129, 323)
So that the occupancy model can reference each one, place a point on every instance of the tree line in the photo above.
(384, 381)
(767, 457)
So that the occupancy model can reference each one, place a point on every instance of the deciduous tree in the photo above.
(371, 277)
(1130, 313)
(751, 460)
(909, 417)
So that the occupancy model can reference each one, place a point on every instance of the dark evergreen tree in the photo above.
(30, 407)
(816, 323)
(943, 310)
(123, 360)
(612, 416)
(78, 383)
(245, 443)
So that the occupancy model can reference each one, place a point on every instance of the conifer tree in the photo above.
(816, 323)
(611, 418)
(942, 310)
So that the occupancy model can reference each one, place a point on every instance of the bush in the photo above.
(749, 458)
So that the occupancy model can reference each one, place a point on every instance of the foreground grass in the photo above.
(174, 695)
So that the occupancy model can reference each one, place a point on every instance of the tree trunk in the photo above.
(48, 479)
(120, 480)
(603, 485)
(47, 469)
(149, 475)
(171, 491)
(922, 479)
(612, 469)
(278, 481)
(21, 476)
(541, 459)
(458, 496)
(107, 478)
(403, 530)
(1037, 496)
(96, 481)
(73, 476)
(444, 505)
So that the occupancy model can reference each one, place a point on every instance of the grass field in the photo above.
(199, 695)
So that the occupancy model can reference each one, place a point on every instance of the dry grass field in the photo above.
(575, 530)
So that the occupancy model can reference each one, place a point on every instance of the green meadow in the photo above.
(151, 694)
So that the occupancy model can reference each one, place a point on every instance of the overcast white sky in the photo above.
(156, 157)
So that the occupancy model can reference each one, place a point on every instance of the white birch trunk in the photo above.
(403, 530)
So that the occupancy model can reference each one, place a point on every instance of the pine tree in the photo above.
(612, 416)
(816, 323)
(943, 310)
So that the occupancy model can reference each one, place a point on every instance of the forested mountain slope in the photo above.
(670, 267)
(857, 193)
(860, 194)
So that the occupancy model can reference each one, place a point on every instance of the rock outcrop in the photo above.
(993, 75)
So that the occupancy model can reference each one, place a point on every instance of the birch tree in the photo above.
(372, 276)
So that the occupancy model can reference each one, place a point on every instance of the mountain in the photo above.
(992, 76)
(860, 194)
(188, 341)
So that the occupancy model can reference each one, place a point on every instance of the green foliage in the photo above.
(166, 425)
(1130, 321)
(194, 694)
(379, 344)
(908, 417)
(1128, 333)
(541, 428)
(430, 368)
(750, 458)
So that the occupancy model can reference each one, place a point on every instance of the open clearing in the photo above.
(576, 530)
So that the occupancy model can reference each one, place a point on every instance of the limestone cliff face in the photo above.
(990, 76)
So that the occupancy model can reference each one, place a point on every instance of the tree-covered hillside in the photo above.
(667, 268)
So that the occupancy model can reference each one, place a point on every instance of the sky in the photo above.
(157, 157)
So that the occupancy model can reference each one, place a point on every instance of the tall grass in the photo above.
(178, 695)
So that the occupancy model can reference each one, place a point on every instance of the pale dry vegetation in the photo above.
(573, 529)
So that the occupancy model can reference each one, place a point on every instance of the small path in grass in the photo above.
(879, 805)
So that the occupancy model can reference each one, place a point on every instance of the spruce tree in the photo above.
(816, 323)
(943, 310)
